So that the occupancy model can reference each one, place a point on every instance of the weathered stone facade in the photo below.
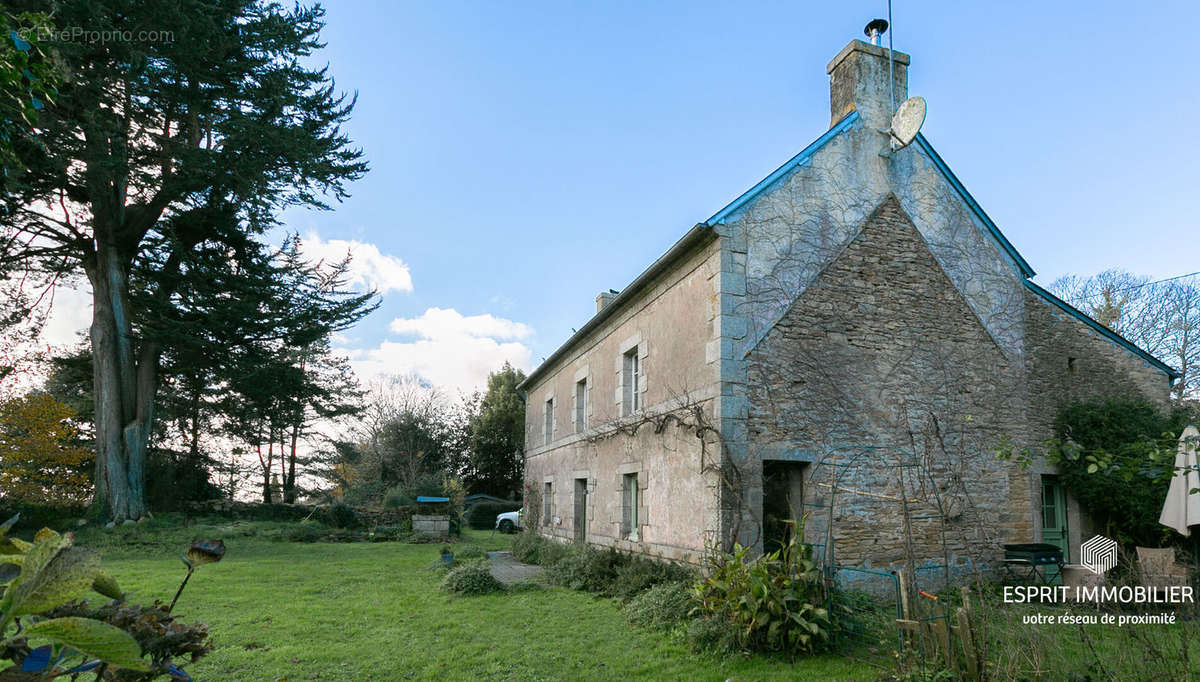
(854, 321)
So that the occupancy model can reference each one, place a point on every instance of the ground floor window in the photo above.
(548, 504)
(630, 498)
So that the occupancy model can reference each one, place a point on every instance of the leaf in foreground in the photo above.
(94, 638)
(53, 573)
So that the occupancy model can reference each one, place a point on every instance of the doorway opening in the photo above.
(783, 501)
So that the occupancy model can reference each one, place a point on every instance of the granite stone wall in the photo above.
(885, 383)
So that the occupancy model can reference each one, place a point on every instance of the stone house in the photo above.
(853, 339)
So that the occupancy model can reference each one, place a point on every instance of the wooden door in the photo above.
(1054, 515)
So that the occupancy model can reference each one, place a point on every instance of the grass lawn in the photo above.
(332, 611)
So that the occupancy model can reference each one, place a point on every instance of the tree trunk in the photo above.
(125, 383)
(289, 476)
(266, 468)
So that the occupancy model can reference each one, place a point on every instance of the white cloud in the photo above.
(440, 323)
(368, 266)
(452, 351)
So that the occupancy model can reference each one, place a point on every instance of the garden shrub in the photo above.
(661, 607)
(526, 546)
(769, 603)
(551, 552)
(483, 515)
(467, 552)
(712, 635)
(638, 574)
(587, 569)
(341, 515)
(472, 578)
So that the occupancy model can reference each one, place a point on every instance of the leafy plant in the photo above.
(472, 578)
(770, 602)
(53, 572)
(161, 637)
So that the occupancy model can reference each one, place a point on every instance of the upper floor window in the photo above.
(631, 381)
(549, 424)
(580, 406)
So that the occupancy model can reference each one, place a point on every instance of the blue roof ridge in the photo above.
(846, 123)
(1102, 329)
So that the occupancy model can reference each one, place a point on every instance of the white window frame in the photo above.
(631, 376)
(548, 419)
(633, 372)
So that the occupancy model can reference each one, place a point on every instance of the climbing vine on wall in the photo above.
(1117, 456)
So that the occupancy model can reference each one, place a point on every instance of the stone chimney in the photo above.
(604, 298)
(858, 81)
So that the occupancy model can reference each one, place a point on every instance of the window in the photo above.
(629, 507)
(1070, 365)
(548, 504)
(631, 380)
(549, 420)
(581, 406)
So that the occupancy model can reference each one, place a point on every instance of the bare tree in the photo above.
(1162, 318)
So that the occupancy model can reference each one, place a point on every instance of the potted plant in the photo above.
(447, 556)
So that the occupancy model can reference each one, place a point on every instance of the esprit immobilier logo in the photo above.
(1098, 555)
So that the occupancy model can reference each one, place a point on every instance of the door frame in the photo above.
(1060, 531)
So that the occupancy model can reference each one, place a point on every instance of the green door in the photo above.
(1054, 515)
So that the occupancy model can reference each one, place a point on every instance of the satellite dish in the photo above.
(907, 122)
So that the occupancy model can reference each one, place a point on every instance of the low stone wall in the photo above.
(434, 526)
(258, 511)
(392, 516)
(251, 510)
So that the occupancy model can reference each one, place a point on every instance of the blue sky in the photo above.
(527, 155)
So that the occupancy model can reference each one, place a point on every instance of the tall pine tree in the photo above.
(156, 149)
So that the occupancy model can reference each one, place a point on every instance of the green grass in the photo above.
(353, 611)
